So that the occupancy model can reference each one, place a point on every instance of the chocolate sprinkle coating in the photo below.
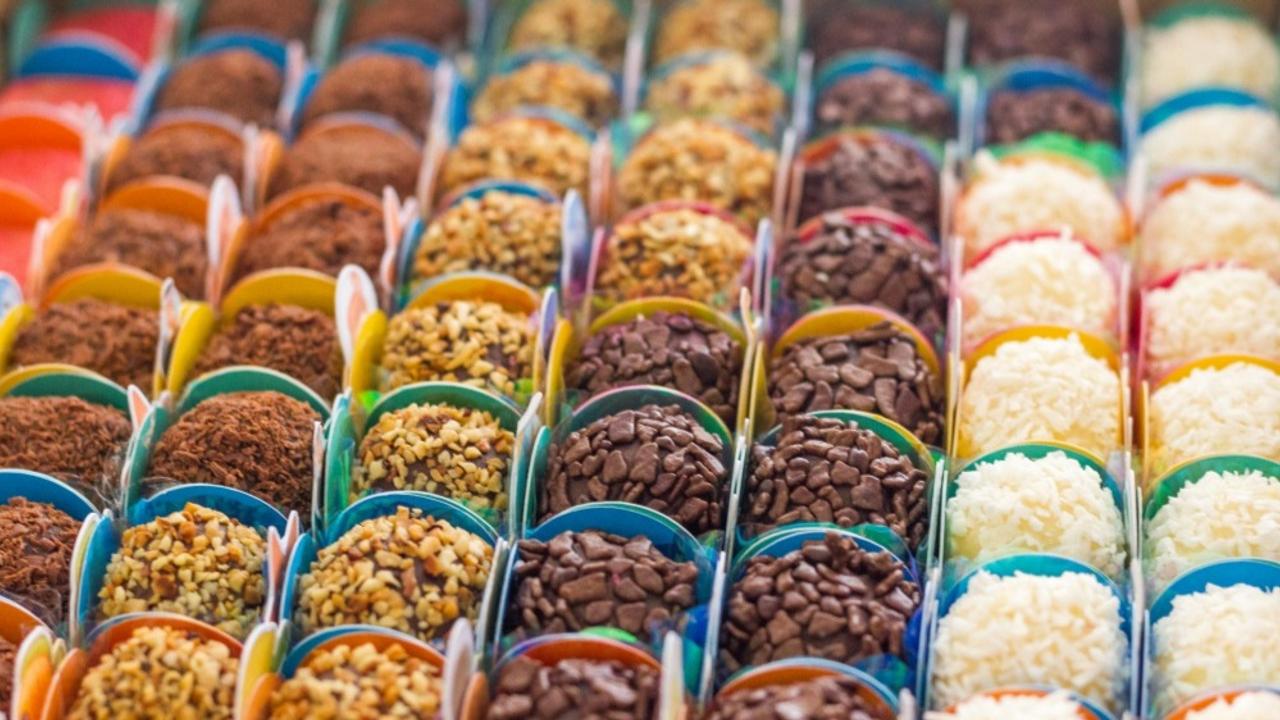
(833, 697)
(36, 540)
(289, 19)
(8, 654)
(299, 342)
(574, 688)
(167, 246)
(838, 27)
(240, 83)
(392, 85)
(884, 97)
(362, 156)
(115, 341)
(66, 437)
(436, 22)
(195, 153)
(323, 236)
(1014, 116)
(876, 172)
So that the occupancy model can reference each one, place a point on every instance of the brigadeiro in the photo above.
(526, 149)
(440, 23)
(362, 156)
(66, 437)
(560, 83)
(1203, 222)
(396, 86)
(287, 19)
(837, 27)
(724, 85)
(190, 152)
(323, 234)
(877, 369)
(1014, 115)
(36, 540)
(666, 349)
(299, 342)
(882, 96)
(830, 697)
(1073, 31)
(876, 170)
(529, 690)
(750, 27)
(344, 680)
(588, 579)
(832, 471)
(258, 442)
(439, 574)
(785, 607)
(1238, 139)
(866, 261)
(1243, 706)
(1051, 706)
(167, 246)
(1223, 49)
(115, 341)
(502, 232)
(655, 455)
(8, 654)
(240, 83)
(596, 28)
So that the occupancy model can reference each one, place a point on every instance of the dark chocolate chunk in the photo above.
(1014, 116)
(872, 171)
(574, 688)
(888, 98)
(833, 697)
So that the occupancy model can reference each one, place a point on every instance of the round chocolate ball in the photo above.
(1014, 115)
(360, 681)
(240, 83)
(299, 342)
(574, 687)
(362, 156)
(396, 86)
(884, 97)
(195, 153)
(167, 246)
(321, 235)
(837, 27)
(36, 540)
(441, 23)
(66, 437)
(1072, 31)
(872, 170)
(832, 697)
(115, 341)
(287, 19)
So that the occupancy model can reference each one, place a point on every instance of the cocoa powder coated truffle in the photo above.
(167, 246)
(362, 156)
(396, 86)
(321, 235)
(437, 22)
(833, 697)
(838, 27)
(884, 97)
(36, 540)
(191, 152)
(299, 342)
(876, 171)
(240, 83)
(574, 687)
(66, 437)
(1014, 116)
(115, 341)
(288, 19)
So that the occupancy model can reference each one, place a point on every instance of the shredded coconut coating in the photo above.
(1059, 631)
(1055, 706)
(1235, 409)
(1037, 390)
(1210, 312)
(1203, 223)
(1216, 638)
(1217, 137)
(1207, 51)
(1257, 705)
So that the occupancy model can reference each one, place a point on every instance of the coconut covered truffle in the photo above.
(749, 27)
(299, 342)
(502, 232)
(440, 23)
(287, 19)
(1221, 637)
(591, 688)
(167, 246)
(982, 641)
(1053, 504)
(36, 541)
(1245, 706)
(239, 83)
(321, 235)
(1216, 138)
(115, 341)
(343, 681)
(526, 149)
(1234, 409)
(830, 696)
(444, 571)
(882, 96)
(872, 170)
(1040, 390)
(362, 156)
(1204, 222)
(725, 85)
(580, 90)
(1045, 281)
(475, 343)
(1213, 311)
(1055, 706)
(196, 153)
(396, 86)
(1208, 51)
(596, 28)
(66, 437)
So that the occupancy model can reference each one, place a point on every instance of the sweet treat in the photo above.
(1245, 706)
(563, 84)
(8, 654)
(343, 681)
(872, 170)
(829, 599)
(1040, 390)
(1221, 310)
(259, 442)
(1014, 115)
(725, 85)
(1208, 50)
(474, 343)
(299, 342)
(1055, 706)
(321, 235)
(1049, 280)
(287, 19)
(655, 455)
(363, 156)
(592, 579)
(167, 246)
(239, 83)
(195, 153)
(884, 97)
(596, 28)
(666, 349)
(865, 262)
(196, 562)
(115, 341)
(1243, 141)
(439, 574)
(171, 673)
(699, 159)
(1072, 31)
(527, 149)
(830, 696)
(66, 437)
(36, 540)
(1030, 194)
(749, 27)
(1052, 504)
(502, 232)
(528, 690)
(396, 86)
(677, 251)
(460, 453)
(1203, 222)
(982, 642)
(877, 369)
(838, 27)
(441, 23)
(1218, 638)
(1233, 409)
(832, 471)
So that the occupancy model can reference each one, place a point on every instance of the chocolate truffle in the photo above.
(36, 540)
(240, 83)
(321, 235)
(725, 85)
(66, 437)
(360, 681)
(596, 28)
(785, 607)
(590, 688)
(115, 341)
(526, 149)
(195, 153)
(750, 27)
(8, 654)
(873, 170)
(866, 262)
(299, 342)
(838, 27)
(822, 698)
(877, 369)
(287, 19)
(363, 156)
(655, 455)
(167, 246)
(563, 84)
(1017, 115)
(259, 442)
(859, 478)
(441, 23)
(589, 579)
(503, 232)
(1073, 31)
(396, 86)
(666, 349)
(884, 97)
